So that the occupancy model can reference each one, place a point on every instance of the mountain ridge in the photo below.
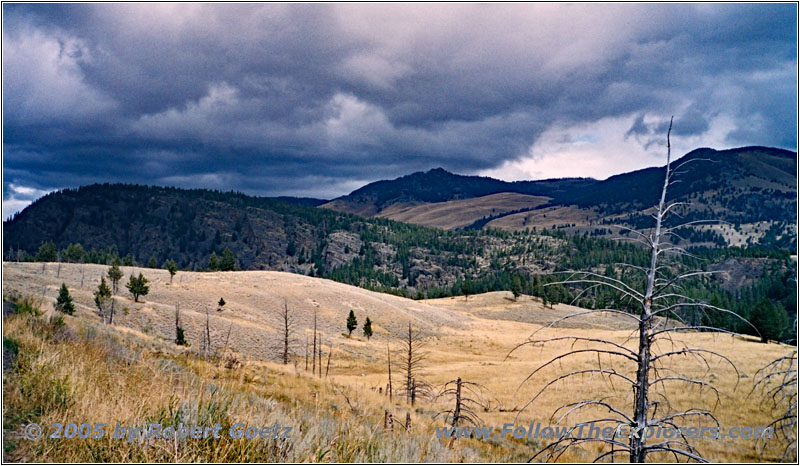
(746, 185)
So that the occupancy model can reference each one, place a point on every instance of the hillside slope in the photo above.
(74, 367)
(254, 301)
(463, 212)
(745, 186)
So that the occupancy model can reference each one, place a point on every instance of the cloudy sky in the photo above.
(319, 99)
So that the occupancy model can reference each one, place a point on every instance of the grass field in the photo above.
(76, 369)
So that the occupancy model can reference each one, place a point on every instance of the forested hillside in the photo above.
(753, 189)
(209, 230)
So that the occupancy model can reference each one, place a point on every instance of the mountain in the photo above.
(439, 185)
(309, 201)
(139, 225)
(752, 188)
(158, 222)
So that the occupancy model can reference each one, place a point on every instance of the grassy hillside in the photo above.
(463, 212)
(75, 369)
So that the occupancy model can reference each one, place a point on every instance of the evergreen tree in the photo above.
(466, 289)
(102, 297)
(352, 323)
(180, 339)
(770, 320)
(213, 262)
(367, 328)
(220, 304)
(64, 301)
(127, 260)
(516, 287)
(47, 252)
(152, 263)
(114, 274)
(137, 286)
(228, 262)
(74, 253)
(172, 268)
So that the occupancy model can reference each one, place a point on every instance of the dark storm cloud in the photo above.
(315, 99)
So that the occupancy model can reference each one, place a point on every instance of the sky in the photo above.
(319, 99)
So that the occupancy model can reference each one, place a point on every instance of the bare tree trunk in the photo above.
(306, 352)
(409, 365)
(388, 422)
(320, 355)
(328, 366)
(389, 364)
(314, 347)
(457, 410)
(208, 335)
(111, 315)
(285, 333)
(225, 347)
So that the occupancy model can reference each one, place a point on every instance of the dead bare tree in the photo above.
(319, 354)
(656, 292)
(227, 338)
(288, 341)
(314, 347)
(389, 365)
(328, 365)
(207, 336)
(468, 398)
(414, 355)
(777, 382)
(306, 353)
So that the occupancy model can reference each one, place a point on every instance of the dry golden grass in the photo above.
(545, 218)
(130, 374)
(462, 212)
(254, 301)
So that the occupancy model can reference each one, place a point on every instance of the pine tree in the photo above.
(64, 301)
(101, 297)
(74, 253)
(516, 287)
(213, 262)
(180, 339)
(228, 262)
(152, 263)
(114, 274)
(770, 320)
(352, 323)
(466, 289)
(172, 268)
(220, 304)
(47, 252)
(367, 328)
(137, 286)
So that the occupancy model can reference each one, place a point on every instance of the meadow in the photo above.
(62, 369)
